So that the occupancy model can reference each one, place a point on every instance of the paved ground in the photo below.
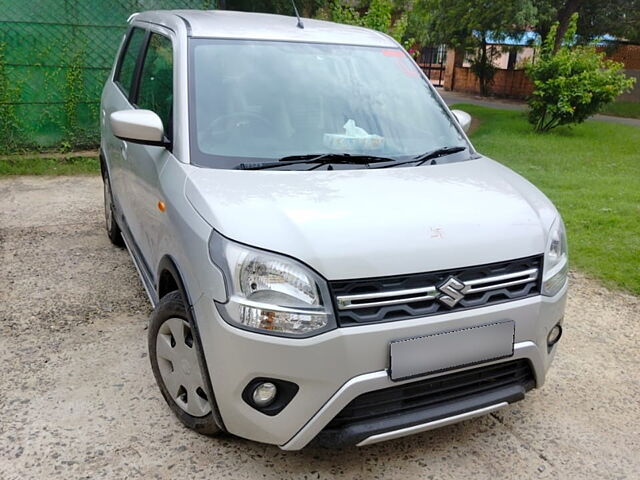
(456, 97)
(78, 400)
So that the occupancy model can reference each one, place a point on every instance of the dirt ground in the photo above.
(78, 399)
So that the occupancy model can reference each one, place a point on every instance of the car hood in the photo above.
(377, 222)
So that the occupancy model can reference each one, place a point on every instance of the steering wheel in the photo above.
(237, 121)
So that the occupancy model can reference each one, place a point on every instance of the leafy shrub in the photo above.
(573, 83)
(378, 16)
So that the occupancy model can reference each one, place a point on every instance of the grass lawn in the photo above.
(49, 166)
(622, 109)
(592, 174)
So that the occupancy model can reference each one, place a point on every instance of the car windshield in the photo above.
(258, 101)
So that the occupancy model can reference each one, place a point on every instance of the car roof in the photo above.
(262, 26)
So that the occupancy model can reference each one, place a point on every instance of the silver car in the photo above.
(328, 257)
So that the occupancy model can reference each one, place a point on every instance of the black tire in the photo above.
(172, 307)
(111, 224)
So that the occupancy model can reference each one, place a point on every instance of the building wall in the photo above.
(629, 55)
(634, 94)
(516, 84)
(506, 83)
(525, 54)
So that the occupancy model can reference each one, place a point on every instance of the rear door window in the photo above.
(156, 81)
(126, 70)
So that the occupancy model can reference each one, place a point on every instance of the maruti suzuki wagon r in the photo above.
(329, 258)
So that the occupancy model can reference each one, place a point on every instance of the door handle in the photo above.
(123, 150)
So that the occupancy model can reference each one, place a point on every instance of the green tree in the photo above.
(470, 26)
(419, 24)
(573, 82)
(307, 8)
(620, 18)
(386, 16)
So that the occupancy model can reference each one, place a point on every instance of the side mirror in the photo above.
(138, 126)
(464, 119)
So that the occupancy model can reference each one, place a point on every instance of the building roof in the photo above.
(261, 26)
(523, 39)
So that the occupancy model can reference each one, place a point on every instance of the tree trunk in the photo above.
(483, 62)
(543, 31)
(564, 17)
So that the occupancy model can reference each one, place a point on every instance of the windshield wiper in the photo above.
(320, 159)
(425, 157)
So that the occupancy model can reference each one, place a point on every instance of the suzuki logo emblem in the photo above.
(453, 290)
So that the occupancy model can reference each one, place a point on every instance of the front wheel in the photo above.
(176, 366)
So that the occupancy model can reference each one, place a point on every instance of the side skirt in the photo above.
(147, 282)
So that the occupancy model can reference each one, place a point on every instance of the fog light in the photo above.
(264, 394)
(554, 335)
(269, 395)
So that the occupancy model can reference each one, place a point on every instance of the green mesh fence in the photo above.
(54, 58)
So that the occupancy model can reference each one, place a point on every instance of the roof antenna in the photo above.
(295, 9)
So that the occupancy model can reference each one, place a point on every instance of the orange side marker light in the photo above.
(161, 206)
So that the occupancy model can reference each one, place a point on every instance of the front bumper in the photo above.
(333, 368)
(406, 420)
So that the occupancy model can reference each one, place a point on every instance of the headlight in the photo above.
(270, 293)
(556, 260)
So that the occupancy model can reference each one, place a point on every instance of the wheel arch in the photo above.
(103, 164)
(170, 279)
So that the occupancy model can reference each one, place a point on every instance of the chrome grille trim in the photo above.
(369, 300)
(513, 279)
(396, 297)
(345, 302)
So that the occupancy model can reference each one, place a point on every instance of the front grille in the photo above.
(433, 392)
(384, 299)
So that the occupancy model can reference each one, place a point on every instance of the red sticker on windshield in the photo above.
(400, 59)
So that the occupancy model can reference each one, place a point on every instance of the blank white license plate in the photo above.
(439, 352)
